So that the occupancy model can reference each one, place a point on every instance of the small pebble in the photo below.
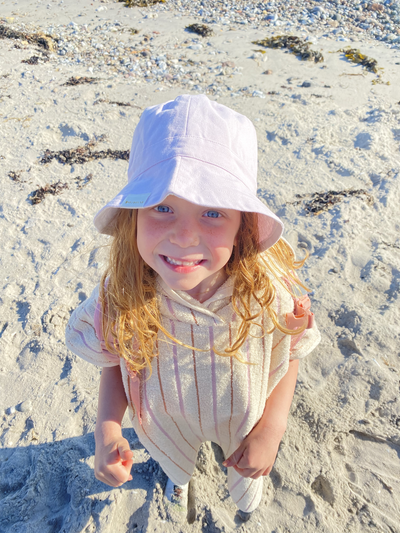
(25, 407)
(11, 410)
(306, 84)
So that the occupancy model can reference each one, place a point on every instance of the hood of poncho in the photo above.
(178, 305)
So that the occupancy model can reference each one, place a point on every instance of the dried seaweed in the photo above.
(80, 80)
(200, 29)
(141, 3)
(83, 154)
(82, 182)
(54, 189)
(323, 201)
(112, 102)
(15, 175)
(379, 80)
(355, 56)
(34, 60)
(293, 44)
(44, 41)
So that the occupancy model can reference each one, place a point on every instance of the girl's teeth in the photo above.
(181, 263)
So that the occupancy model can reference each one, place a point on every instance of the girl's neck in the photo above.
(202, 294)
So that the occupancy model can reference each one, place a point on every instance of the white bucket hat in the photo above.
(198, 150)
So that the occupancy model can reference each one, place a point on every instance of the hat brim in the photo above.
(203, 184)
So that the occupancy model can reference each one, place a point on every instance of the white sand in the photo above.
(338, 468)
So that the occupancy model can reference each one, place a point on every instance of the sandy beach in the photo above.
(329, 166)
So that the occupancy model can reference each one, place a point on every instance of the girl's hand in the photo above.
(113, 461)
(256, 455)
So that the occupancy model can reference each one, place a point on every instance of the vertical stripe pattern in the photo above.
(214, 385)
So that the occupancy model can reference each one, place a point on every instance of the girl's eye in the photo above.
(212, 214)
(162, 209)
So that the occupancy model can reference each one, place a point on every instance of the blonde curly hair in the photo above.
(131, 317)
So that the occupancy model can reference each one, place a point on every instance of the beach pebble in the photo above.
(318, 11)
(25, 406)
(259, 94)
(306, 84)
(11, 410)
(196, 46)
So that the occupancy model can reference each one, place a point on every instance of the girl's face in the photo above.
(188, 245)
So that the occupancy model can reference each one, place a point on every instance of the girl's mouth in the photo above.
(180, 266)
(177, 262)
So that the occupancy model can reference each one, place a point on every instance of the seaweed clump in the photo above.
(200, 29)
(141, 3)
(34, 60)
(83, 154)
(80, 80)
(54, 189)
(293, 44)
(113, 102)
(82, 182)
(15, 175)
(355, 56)
(323, 201)
(40, 39)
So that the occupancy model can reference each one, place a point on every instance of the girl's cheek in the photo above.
(152, 228)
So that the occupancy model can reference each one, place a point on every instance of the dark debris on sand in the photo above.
(80, 80)
(44, 41)
(141, 3)
(200, 29)
(355, 56)
(15, 175)
(323, 201)
(82, 182)
(112, 102)
(293, 44)
(83, 154)
(35, 60)
(54, 189)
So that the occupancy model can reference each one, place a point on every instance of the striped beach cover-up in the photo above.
(191, 396)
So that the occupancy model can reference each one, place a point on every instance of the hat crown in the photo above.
(194, 126)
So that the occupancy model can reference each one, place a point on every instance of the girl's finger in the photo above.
(127, 465)
(125, 452)
(234, 458)
(258, 474)
(118, 475)
(244, 472)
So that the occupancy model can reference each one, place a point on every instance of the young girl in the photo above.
(196, 320)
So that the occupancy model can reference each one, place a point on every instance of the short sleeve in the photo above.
(81, 338)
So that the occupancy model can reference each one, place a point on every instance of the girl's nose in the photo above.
(185, 234)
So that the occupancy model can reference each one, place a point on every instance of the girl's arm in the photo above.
(113, 457)
(256, 455)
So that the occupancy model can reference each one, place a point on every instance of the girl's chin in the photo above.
(181, 286)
